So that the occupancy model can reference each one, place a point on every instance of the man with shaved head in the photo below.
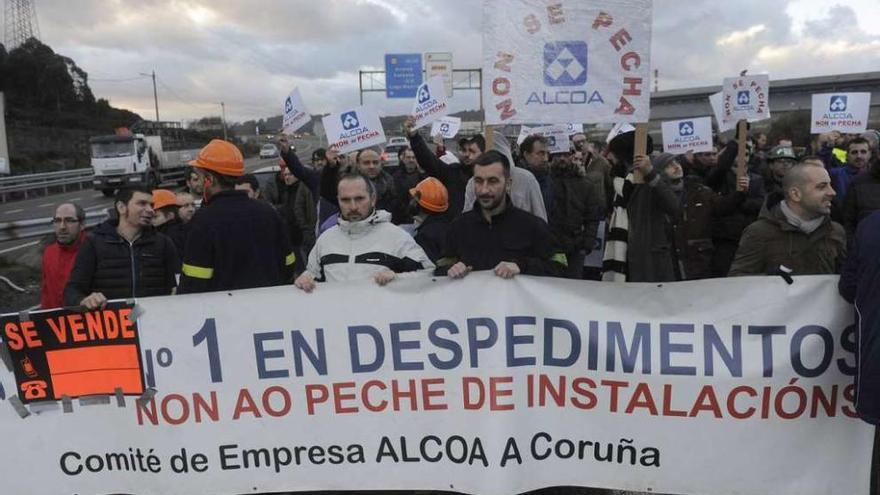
(795, 235)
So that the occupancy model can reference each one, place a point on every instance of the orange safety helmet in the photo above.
(431, 195)
(222, 157)
(163, 198)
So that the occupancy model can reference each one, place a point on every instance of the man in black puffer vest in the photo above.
(123, 258)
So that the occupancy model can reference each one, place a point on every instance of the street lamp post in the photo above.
(155, 93)
(223, 109)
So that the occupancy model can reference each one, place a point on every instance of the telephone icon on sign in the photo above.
(34, 389)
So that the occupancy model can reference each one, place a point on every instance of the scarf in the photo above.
(805, 226)
(614, 268)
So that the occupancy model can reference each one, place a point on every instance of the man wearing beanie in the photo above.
(691, 232)
(234, 242)
(637, 248)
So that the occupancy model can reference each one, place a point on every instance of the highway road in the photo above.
(91, 200)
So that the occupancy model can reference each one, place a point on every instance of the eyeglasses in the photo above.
(67, 220)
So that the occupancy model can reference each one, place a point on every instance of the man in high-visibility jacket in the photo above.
(234, 242)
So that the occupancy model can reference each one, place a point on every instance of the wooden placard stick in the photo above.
(641, 140)
(741, 137)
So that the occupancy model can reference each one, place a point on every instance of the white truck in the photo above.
(138, 158)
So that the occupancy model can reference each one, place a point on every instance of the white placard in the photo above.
(584, 61)
(557, 136)
(844, 112)
(353, 129)
(745, 97)
(431, 102)
(681, 136)
(440, 64)
(294, 113)
(715, 100)
(575, 128)
(618, 386)
(447, 127)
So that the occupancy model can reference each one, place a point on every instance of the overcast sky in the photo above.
(251, 54)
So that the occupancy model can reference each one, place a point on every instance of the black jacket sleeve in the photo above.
(79, 284)
(428, 160)
(329, 181)
(172, 263)
(311, 177)
(540, 261)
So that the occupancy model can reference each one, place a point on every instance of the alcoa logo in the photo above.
(686, 128)
(288, 105)
(743, 97)
(551, 141)
(838, 103)
(424, 94)
(349, 120)
(444, 128)
(565, 63)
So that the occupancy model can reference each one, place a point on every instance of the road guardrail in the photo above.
(37, 227)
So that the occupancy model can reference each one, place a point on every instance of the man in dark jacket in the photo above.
(495, 235)
(728, 229)
(862, 199)
(123, 258)
(649, 205)
(574, 213)
(234, 242)
(860, 285)
(406, 177)
(691, 232)
(455, 175)
(294, 202)
(796, 233)
(431, 218)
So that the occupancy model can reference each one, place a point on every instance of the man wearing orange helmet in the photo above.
(431, 219)
(167, 220)
(235, 242)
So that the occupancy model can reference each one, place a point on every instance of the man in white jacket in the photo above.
(364, 244)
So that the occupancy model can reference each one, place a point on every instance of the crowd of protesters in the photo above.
(489, 207)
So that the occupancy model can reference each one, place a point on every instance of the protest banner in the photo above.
(844, 112)
(431, 103)
(681, 136)
(745, 98)
(440, 64)
(446, 126)
(353, 129)
(294, 113)
(479, 385)
(579, 61)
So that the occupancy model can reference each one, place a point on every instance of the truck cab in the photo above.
(118, 160)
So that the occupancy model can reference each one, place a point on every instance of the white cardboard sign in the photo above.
(431, 102)
(844, 112)
(440, 64)
(353, 129)
(446, 126)
(294, 112)
(681, 136)
(745, 97)
(557, 136)
(583, 61)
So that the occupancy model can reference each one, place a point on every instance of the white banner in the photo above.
(440, 64)
(446, 126)
(745, 97)
(431, 103)
(583, 61)
(294, 113)
(354, 129)
(681, 136)
(482, 385)
(844, 112)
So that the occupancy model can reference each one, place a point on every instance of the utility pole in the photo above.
(223, 109)
(155, 93)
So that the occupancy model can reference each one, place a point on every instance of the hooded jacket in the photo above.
(860, 285)
(358, 250)
(58, 261)
(577, 207)
(109, 264)
(771, 241)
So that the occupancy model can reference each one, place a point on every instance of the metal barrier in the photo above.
(37, 227)
(23, 184)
